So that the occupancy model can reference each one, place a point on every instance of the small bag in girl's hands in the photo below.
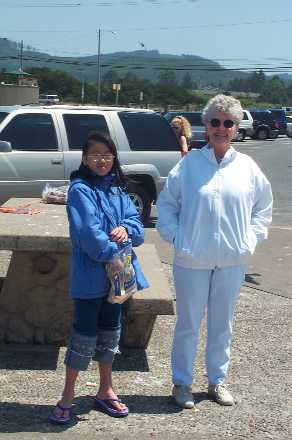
(121, 274)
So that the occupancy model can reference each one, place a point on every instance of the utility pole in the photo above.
(98, 69)
(21, 56)
(117, 88)
(82, 89)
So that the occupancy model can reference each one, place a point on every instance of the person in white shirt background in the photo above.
(215, 208)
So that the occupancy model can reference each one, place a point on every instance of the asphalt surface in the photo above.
(260, 376)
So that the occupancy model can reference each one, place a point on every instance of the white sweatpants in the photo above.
(197, 290)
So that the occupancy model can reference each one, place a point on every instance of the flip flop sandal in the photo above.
(105, 406)
(61, 420)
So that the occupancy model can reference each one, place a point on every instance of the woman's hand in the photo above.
(119, 234)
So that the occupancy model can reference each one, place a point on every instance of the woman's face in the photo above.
(221, 129)
(99, 158)
(176, 125)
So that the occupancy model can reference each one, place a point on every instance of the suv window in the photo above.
(3, 116)
(245, 117)
(148, 132)
(79, 126)
(264, 116)
(31, 132)
(194, 118)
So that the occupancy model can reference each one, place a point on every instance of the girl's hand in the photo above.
(119, 234)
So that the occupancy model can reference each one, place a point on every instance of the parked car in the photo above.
(264, 124)
(49, 99)
(289, 126)
(245, 126)
(40, 145)
(280, 117)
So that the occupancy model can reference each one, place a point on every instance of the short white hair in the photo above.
(224, 104)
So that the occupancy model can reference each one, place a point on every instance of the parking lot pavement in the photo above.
(260, 378)
(260, 375)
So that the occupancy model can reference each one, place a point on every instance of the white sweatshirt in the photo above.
(215, 214)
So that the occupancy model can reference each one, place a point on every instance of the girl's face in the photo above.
(99, 158)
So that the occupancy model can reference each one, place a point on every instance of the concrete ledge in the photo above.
(34, 303)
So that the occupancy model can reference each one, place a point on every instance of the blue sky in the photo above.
(242, 33)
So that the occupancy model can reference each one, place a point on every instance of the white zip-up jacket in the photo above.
(214, 213)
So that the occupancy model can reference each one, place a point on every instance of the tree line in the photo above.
(166, 91)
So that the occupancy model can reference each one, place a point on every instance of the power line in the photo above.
(137, 66)
(161, 28)
(102, 4)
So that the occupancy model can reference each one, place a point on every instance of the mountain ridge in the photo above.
(147, 64)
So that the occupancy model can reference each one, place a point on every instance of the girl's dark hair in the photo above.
(120, 179)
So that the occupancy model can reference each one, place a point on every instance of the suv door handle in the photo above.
(56, 161)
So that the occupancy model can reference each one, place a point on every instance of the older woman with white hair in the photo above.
(215, 208)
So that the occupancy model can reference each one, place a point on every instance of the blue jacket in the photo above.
(93, 212)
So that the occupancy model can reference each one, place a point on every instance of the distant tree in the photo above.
(167, 78)
(187, 82)
(57, 81)
(110, 77)
(289, 92)
(255, 83)
(275, 91)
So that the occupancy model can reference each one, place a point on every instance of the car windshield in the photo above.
(3, 116)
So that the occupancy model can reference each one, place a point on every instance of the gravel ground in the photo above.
(260, 378)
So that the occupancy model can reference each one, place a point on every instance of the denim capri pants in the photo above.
(95, 333)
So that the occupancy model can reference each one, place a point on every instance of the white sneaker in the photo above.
(183, 396)
(220, 394)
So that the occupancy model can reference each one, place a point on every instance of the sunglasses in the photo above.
(99, 157)
(228, 123)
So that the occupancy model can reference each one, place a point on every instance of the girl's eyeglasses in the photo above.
(100, 157)
(228, 123)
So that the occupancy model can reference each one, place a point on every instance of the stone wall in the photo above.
(34, 302)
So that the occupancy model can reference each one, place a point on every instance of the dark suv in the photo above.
(264, 124)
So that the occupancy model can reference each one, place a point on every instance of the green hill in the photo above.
(145, 64)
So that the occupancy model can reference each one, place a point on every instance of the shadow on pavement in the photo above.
(251, 278)
(138, 404)
(131, 359)
(26, 357)
(45, 357)
(16, 417)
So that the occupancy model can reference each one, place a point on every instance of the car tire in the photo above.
(262, 134)
(240, 135)
(142, 201)
(289, 134)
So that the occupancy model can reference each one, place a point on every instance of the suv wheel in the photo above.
(262, 134)
(142, 202)
(240, 135)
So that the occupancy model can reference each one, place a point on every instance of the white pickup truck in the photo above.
(42, 144)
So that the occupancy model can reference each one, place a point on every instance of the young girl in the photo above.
(101, 216)
(183, 131)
